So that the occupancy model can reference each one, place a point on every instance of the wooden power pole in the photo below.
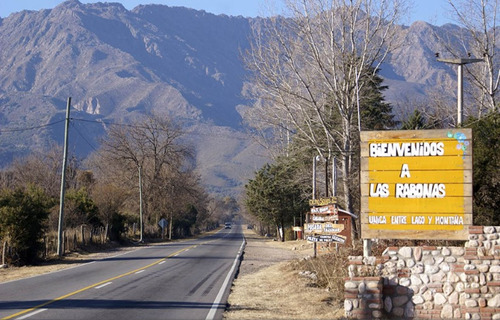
(63, 181)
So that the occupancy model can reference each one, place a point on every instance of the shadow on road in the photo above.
(107, 304)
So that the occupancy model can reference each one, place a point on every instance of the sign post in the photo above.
(327, 238)
(328, 223)
(163, 223)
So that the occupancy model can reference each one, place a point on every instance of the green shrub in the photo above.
(117, 226)
(23, 213)
(486, 180)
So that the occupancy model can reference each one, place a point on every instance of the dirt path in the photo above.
(261, 252)
(267, 287)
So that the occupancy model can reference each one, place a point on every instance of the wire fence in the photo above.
(74, 239)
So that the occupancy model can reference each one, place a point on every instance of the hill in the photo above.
(120, 64)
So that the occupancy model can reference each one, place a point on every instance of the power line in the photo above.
(192, 133)
(23, 129)
(106, 122)
(30, 128)
(114, 124)
(82, 136)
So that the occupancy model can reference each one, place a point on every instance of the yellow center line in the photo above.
(99, 283)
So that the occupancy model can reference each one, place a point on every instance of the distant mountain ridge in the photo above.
(118, 64)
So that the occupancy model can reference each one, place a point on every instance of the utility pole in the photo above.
(171, 214)
(334, 176)
(63, 181)
(315, 159)
(460, 89)
(140, 206)
(326, 177)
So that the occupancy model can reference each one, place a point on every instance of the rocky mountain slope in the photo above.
(118, 64)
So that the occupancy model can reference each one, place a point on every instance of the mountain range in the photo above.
(118, 64)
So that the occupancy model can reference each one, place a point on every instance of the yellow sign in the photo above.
(415, 183)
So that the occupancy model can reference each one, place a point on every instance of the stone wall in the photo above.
(428, 282)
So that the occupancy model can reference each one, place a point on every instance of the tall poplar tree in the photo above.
(310, 66)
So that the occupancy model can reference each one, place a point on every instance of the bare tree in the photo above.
(308, 70)
(110, 200)
(480, 39)
(44, 170)
(152, 148)
(181, 189)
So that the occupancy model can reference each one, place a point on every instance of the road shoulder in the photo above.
(268, 286)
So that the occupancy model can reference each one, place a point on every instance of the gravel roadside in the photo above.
(268, 287)
(261, 252)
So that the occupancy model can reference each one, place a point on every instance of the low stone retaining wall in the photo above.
(428, 282)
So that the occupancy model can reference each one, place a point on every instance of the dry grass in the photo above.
(269, 285)
(330, 269)
(278, 292)
(15, 273)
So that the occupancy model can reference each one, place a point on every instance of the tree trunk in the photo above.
(4, 251)
(82, 230)
(346, 174)
(282, 233)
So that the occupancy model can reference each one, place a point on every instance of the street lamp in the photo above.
(141, 221)
(460, 62)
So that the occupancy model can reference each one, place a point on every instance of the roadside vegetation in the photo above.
(102, 194)
(315, 83)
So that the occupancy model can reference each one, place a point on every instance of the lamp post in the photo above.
(141, 221)
(460, 62)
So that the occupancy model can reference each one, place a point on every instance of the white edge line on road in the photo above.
(218, 299)
(140, 271)
(94, 261)
(51, 272)
(162, 262)
(26, 316)
(73, 267)
(39, 307)
(103, 285)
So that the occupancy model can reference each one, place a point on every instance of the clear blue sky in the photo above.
(432, 11)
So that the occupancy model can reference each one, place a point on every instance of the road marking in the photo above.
(26, 316)
(140, 271)
(162, 262)
(34, 309)
(103, 285)
(55, 271)
(218, 299)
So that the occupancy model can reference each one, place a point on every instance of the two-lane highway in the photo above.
(182, 280)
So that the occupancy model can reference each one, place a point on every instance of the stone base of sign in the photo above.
(428, 282)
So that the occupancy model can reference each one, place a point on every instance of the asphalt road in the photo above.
(182, 280)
